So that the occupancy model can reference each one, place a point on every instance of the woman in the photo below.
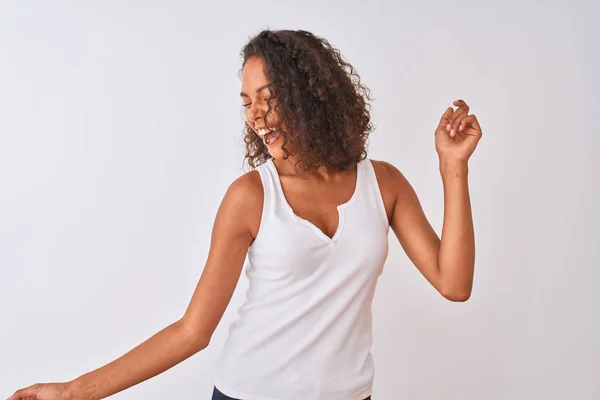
(313, 218)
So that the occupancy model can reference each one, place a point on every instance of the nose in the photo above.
(255, 113)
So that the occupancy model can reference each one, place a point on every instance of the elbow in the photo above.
(457, 287)
(198, 339)
(202, 342)
(457, 296)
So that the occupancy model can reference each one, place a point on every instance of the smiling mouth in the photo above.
(270, 137)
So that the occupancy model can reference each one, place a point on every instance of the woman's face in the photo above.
(254, 98)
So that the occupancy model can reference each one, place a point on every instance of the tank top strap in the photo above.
(372, 191)
(267, 177)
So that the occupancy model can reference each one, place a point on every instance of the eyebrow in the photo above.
(260, 89)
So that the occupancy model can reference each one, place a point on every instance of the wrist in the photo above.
(453, 167)
(452, 160)
(77, 389)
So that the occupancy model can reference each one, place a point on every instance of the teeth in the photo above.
(263, 132)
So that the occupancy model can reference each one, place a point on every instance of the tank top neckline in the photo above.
(341, 208)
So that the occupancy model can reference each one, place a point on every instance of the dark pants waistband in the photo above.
(218, 395)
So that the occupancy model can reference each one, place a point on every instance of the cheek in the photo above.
(273, 117)
(275, 114)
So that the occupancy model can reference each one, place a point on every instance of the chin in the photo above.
(275, 149)
(276, 153)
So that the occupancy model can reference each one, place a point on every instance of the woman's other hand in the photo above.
(45, 391)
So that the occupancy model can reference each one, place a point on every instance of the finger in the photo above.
(445, 120)
(24, 394)
(16, 396)
(463, 108)
(475, 123)
(460, 103)
(461, 123)
(471, 122)
(454, 123)
(459, 113)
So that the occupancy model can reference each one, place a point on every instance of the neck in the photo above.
(287, 167)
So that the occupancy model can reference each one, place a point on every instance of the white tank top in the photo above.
(305, 329)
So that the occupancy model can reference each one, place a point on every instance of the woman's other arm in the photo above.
(232, 234)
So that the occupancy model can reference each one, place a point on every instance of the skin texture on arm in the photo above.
(457, 247)
(419, 240)
(235, 225)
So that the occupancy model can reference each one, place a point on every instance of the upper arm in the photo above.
(232, 234)
(409, 223)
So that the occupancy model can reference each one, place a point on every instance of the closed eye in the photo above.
(265, 100)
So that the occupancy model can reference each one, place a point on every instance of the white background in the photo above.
(121, 129)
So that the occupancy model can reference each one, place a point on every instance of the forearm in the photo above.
(160, 352)
(456, 256)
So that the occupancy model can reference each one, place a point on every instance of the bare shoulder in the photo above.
(390, 181)
(390, 178)
(247, 188)
(395, 188)
(387, 172)
(244, 201)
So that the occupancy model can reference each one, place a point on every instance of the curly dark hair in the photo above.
(320, 98)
